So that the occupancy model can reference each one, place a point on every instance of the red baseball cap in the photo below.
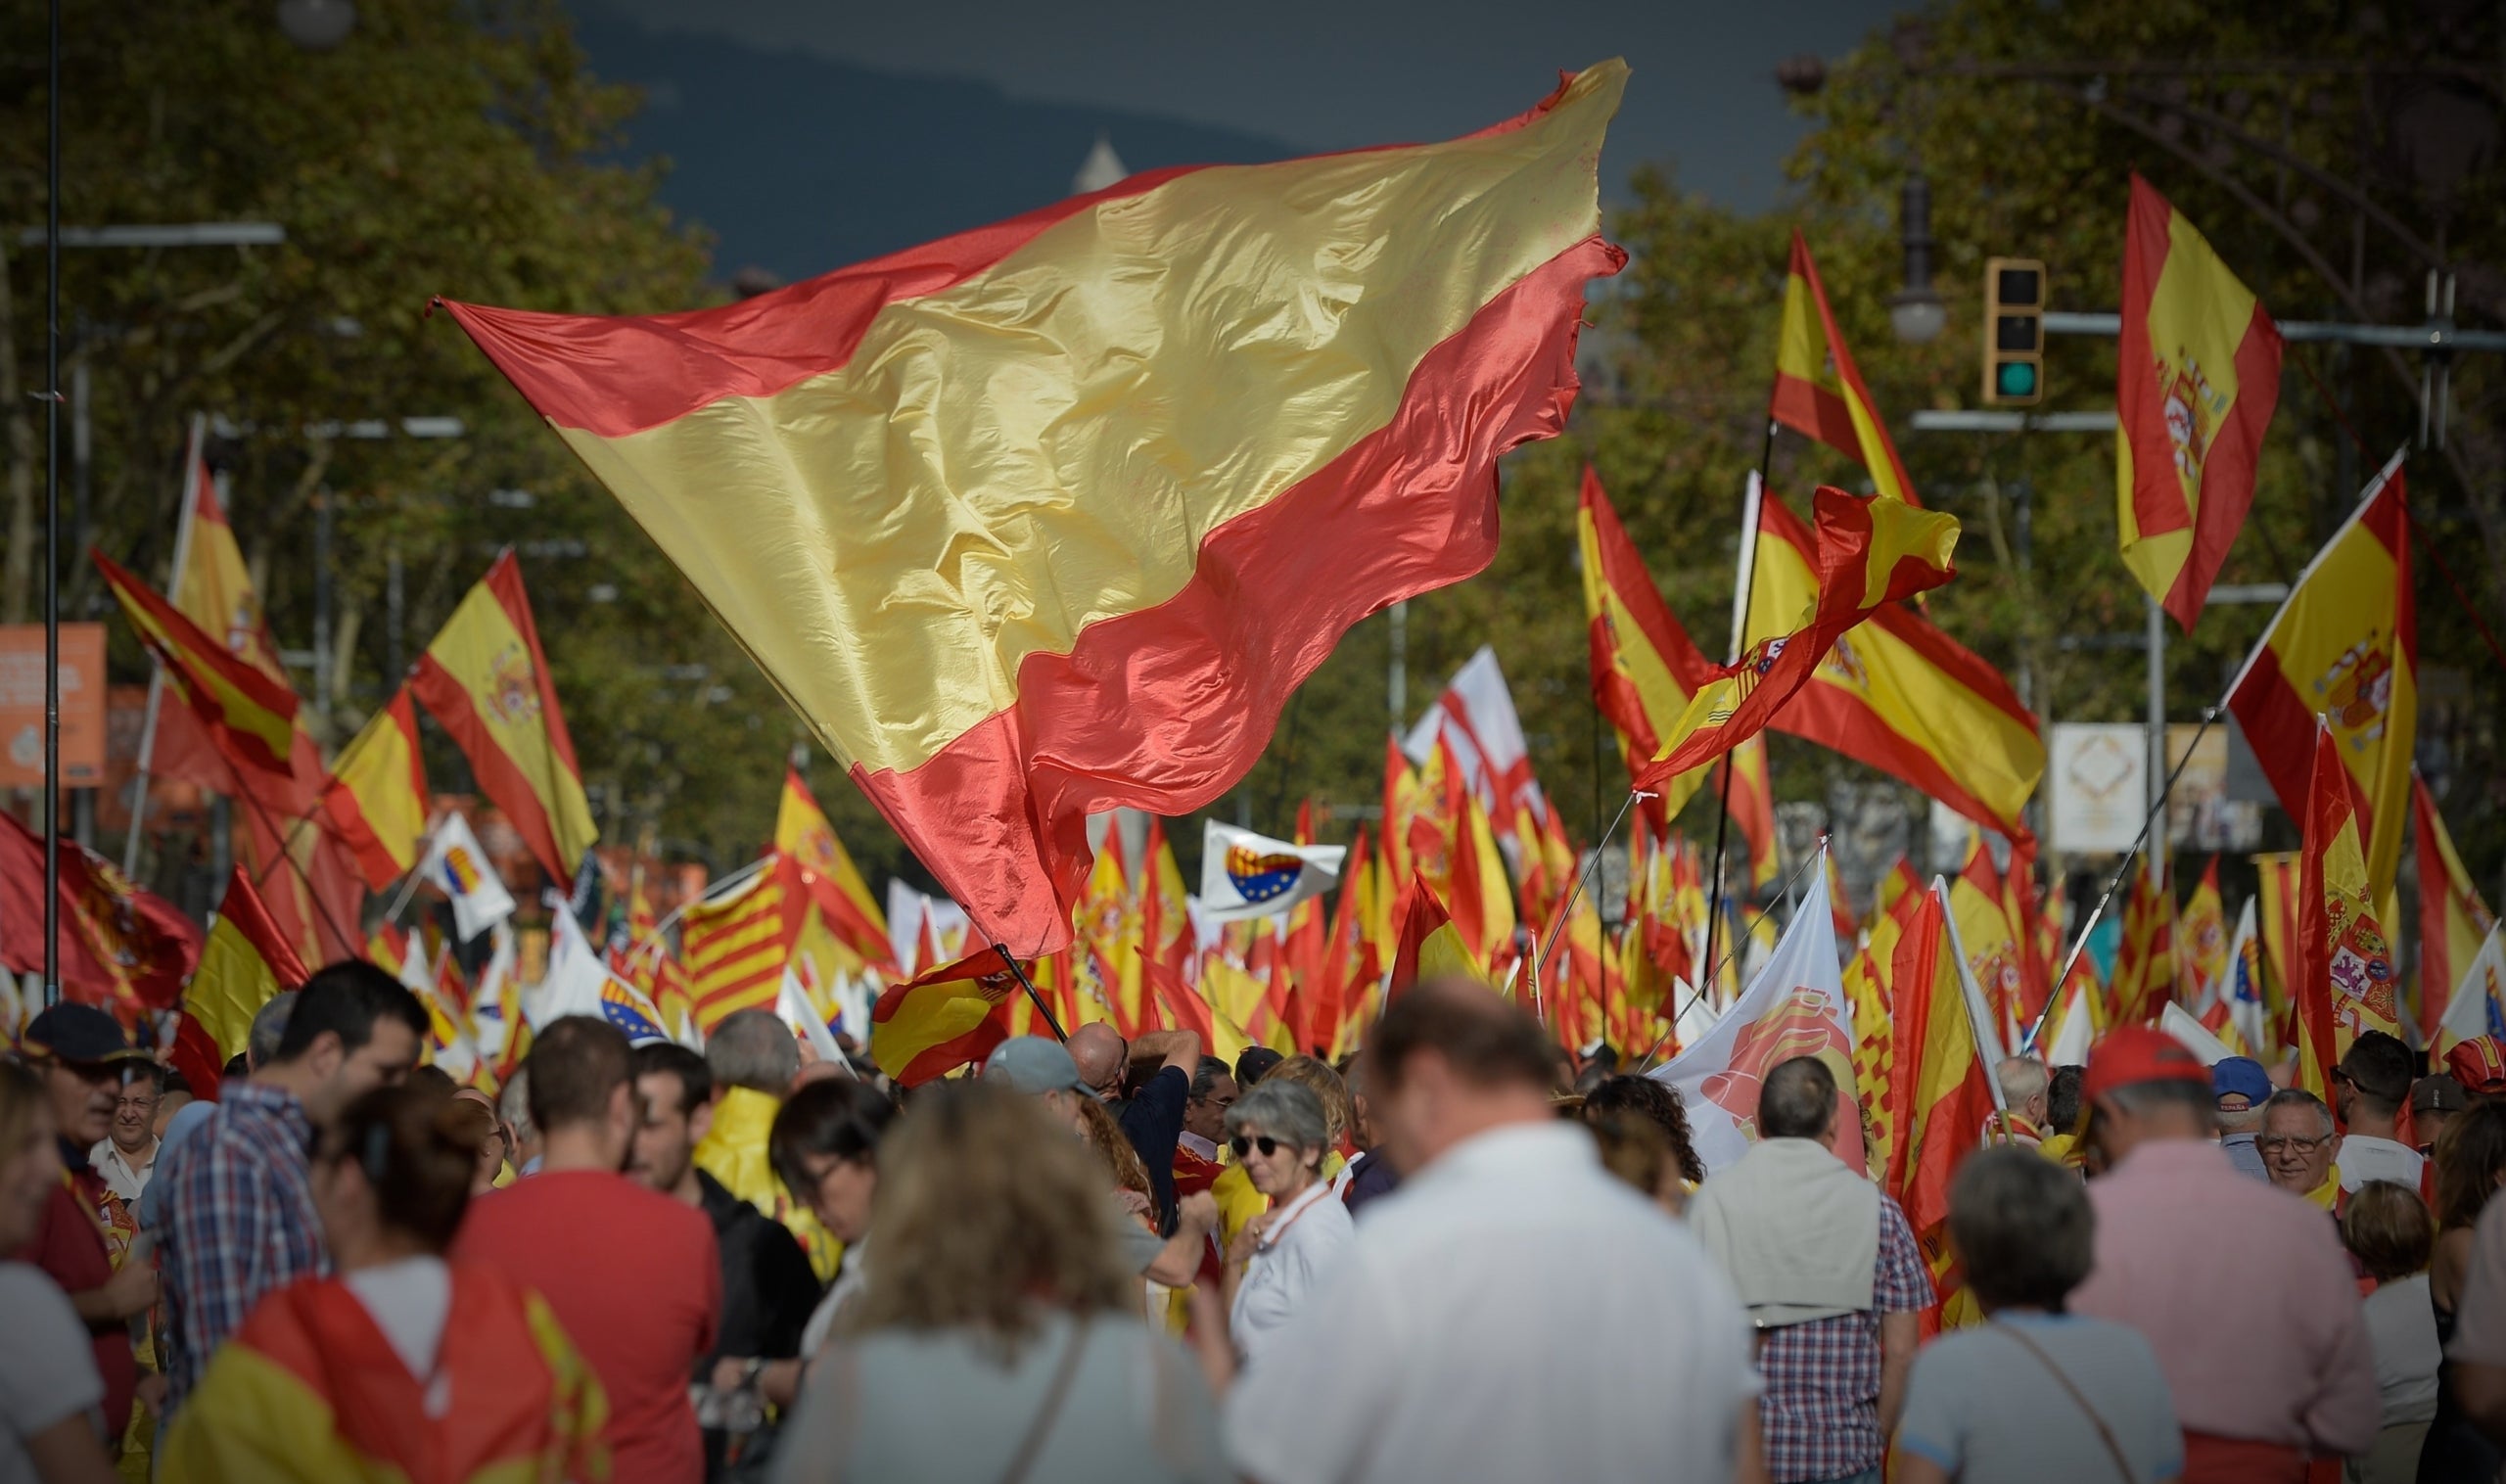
(2135, 1055)
(2478, 1064)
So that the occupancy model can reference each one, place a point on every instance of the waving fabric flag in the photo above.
(2344, 980)
(1475, 717)
(2197, 378)
(2452, 919)
(122, 947)
(1939, 1099)
(486, 681)
(1245, 875)
(250, 716)
(1819, 392)
(2477, 1006)
(1796, 1006)
(2344, 646)
(2201, 938)
(458, 864)
(1898, 693)
(1871, 553)
(244, 964)
(801, 832)
(1082, 458)
(937, 1022)
(2145, 961)
(735, 944)
(376, 800)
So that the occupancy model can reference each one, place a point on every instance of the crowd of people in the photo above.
(1453, 1258)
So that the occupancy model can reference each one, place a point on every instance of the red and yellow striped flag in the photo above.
(845, 902)
(1819, 392)
(735, 946)
(1871, 553)
(2344, 646)
(250, 716)
(244, 964)
(1900, 694)
(2452, 918)
(1092, 582)
(376, 800)
(2144, 977)
(943, 1019)
(2344, 978)
(1483, 905)
(1994, 951)
(2197, 378)
(486, 681)
(1938, 1098)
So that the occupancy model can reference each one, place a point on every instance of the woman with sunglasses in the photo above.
(1280, 1133)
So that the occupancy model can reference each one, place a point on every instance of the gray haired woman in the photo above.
(1280, 1133)
(2036, 1394)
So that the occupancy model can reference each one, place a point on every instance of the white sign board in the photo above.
(2097, 786)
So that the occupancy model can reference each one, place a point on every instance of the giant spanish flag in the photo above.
(2344, 972)
(845, 902)
(250, 716)
(244, 963)
(1052, 516)
(2196, 379)
(2452, 919)
(486, 681)
(2344, 646)
(1818, 392)
(1645, 667)
(1870, 554)
(376, 799)
(1898, 693)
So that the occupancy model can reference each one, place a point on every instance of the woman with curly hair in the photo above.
(1000, 1335)
(1658, 1105)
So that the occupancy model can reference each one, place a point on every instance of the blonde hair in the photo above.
(1317, 1075)
(1123, 1164)
(1001, 1215)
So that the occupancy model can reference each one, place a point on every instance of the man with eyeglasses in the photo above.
(2298, 1144)
(127, 1153)
(1197, 1158)
(2370, 1089)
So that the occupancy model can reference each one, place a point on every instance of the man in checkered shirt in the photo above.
(1832, 1279)
(239, 1217)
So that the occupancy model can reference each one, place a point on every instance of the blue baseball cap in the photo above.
(2240, 1076)
(1034, 1065)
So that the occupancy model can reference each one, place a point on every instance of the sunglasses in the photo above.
(1243, 1146)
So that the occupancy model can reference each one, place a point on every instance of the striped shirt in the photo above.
(239, 1222)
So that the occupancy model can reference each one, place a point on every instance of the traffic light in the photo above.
(2013, 331)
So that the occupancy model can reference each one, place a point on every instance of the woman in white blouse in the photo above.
(1280, 1135)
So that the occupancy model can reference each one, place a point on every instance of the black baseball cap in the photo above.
(79, 1032)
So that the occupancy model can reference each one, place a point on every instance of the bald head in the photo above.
(1099, 1052)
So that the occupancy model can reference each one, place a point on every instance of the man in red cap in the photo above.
(2240, 1287)
(2480, 1065)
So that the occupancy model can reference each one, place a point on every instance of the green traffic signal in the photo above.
(2015, 378)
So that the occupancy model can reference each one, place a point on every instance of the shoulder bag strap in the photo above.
(2105, 1434)
(1046, 1413)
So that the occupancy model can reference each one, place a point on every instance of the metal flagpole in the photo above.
(1540, 960)
(52, 517)
(1029, 985)
(157, 666)
(1978, 1012)
(1740, 596)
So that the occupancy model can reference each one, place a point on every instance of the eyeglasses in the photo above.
(2272, 1143)
(1244, 1146)
(1221, 1103)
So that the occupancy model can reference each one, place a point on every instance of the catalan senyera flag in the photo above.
(2344, 646)
(1021, 522)
(736, 944)
(2144, 977)
(1899, 693)
(2452, 918)
(1871, 553)
(1818, 390)
(802, 831)
(2345, 981)
(2196, 377)
(376, 800)
(250, 716)
(244, 964)
(939, 1021)
(485, 678)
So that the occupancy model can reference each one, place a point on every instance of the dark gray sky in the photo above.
(1331, 75)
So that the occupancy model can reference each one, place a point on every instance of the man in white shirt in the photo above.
(2369, 1088)
(127, 1153)
(1434, 1353)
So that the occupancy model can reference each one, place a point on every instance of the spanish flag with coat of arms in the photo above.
(2197, 378)
(2345, 981)
(486, 681)
(1052, 517)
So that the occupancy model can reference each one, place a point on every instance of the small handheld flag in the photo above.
(1246, 876)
